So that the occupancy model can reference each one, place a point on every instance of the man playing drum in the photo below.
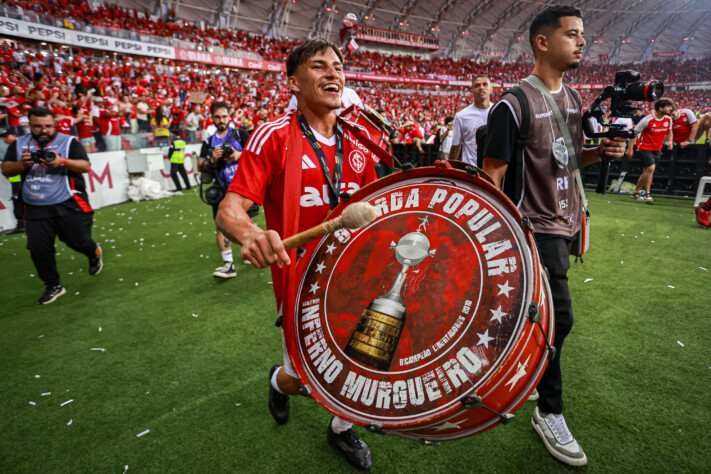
(286, 166)
(550, 196)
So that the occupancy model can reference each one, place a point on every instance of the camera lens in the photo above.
(647, 91)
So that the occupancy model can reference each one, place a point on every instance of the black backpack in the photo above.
(512, 184)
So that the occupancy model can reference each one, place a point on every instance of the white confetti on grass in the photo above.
(704, 269)
(680, 343)
(70, 422)
(195, 315)
(587, 280)
(37, 376)
(46, 393)
(672, 287)
(32, 403)
(125, 468)
(143, 433)
(67, 402)
(98, 349)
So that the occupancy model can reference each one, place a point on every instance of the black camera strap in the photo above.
(334, 183)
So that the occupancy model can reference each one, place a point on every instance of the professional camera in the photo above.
(627, 89)
(42, 153)
(227, 151)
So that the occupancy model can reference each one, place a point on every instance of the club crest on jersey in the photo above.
(357, 161)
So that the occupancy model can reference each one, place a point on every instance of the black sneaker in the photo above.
(96, 263)
(51, 293)
(278, 402)
(352, 447)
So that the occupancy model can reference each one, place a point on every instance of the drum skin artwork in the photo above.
(435, 321)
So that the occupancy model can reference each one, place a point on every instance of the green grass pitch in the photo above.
(186, 357)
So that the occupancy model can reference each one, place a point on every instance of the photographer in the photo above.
(549, 195)
(219, 156)
(56, 203)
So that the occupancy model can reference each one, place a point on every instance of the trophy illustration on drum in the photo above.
(376, 336)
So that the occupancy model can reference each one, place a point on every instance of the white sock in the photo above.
(227, 256)
(339, 426)
(274, 380)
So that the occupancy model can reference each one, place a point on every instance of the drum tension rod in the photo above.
(526, 222)
(305, 390)
(534, 314)
(477, 402)
(471, 171)
(377, 429)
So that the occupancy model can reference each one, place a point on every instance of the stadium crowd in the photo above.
(102, 96)
(79, 13)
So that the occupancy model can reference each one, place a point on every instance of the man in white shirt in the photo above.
(192, 121)
(468, 120)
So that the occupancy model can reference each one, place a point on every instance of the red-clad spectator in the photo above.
(63, 120)
(109, 125)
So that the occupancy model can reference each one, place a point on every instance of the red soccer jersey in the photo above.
(261, 173)
(682, 125)
(109, 125)
(84, 126)
(65, 125)
(653, 131)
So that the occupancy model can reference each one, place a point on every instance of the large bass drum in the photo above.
(435, 321)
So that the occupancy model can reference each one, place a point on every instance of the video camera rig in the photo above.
(626, 89)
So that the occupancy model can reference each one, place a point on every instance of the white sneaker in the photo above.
(647, 198)
(228, 271)
(557, 438)
(533, 396)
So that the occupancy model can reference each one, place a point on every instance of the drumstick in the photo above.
(354, 216)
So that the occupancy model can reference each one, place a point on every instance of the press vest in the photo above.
(44, 185)
(178, 155)
(15, 179)
(228, 168)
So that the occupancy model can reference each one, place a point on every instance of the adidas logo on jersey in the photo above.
(306, 163)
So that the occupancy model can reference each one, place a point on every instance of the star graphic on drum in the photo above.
(519, 374)
(497, 314)
(449, 425)
(314, 288)
(330, 248)
(320, 267)
(484, 339)
(505, 289)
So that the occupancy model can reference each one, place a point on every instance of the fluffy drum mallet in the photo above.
(354, 216)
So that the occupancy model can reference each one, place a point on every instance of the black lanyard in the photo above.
(334, 184)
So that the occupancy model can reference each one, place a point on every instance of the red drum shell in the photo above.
(403, 325)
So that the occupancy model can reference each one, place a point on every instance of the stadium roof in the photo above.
(626, 31)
